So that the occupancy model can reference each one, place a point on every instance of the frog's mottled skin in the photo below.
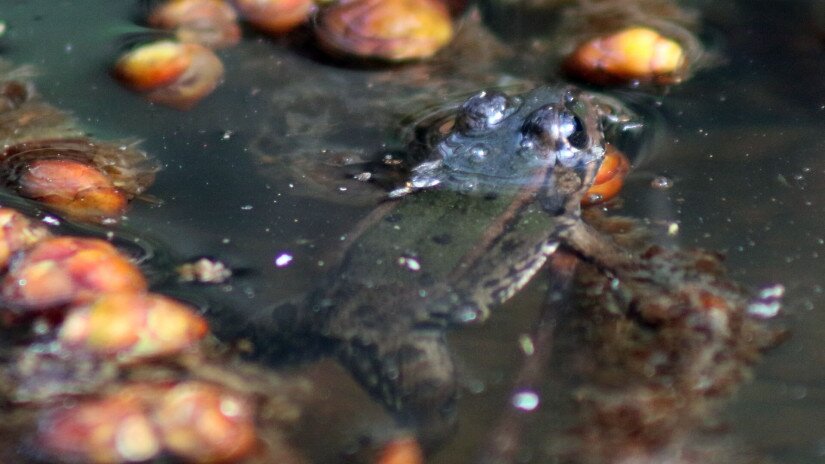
(475, 222)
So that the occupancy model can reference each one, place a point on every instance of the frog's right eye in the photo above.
(483, 111)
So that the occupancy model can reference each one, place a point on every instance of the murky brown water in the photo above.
(742, 141)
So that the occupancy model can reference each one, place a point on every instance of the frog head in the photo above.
(499, 142)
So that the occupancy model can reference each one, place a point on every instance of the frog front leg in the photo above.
(397, 355)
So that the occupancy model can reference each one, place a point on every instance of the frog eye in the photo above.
(572, 128)
(483, 111)
(554, 128)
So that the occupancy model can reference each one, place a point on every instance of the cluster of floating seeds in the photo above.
(92, 320)
(179, 73)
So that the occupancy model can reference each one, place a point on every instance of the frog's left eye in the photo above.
(483, 111)
(572, 128)
(555, 128)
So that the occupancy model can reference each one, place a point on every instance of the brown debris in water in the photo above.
(667, 339)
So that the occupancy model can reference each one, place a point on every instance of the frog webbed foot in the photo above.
(414, 376)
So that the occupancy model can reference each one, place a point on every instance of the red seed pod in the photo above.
(211, 23)
(637, 54)
(610, 178)
(132, 326)
(275, 16)
(85, 179)
(17, 232)
(389, 30)
(402, 450)
(204, 423)
(174, 74)
(114, 429)
(67, 270)
(76, 189)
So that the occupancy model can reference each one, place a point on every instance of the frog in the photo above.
(496, 193)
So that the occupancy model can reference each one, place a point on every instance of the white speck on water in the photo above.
(526, 344)
(51, 220)
(227, 135)
(661, 182)
(772, 291)
(283, 260)
(526, 400)
(246, 207)
(768, 302)
(764, 310)
(410, 263)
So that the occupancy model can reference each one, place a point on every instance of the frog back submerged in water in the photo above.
(476, 220)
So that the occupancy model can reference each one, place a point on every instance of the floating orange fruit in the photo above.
(154, 65)
(632, 54)
(85, 179)
(75, 188)
(132, 326)
(401, 451)
(609, 179)
(17, 232)
(212, 23)
(275, 16)
(204, 423)
(68, 270)
(174, 74)
(390, 30)
(114, 429)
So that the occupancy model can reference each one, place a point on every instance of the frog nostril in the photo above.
(483, 111)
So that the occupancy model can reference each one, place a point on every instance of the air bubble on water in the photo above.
(525, 400)
(772, 291)
(283, 259)
(468, 314)
(51, 220)
(768, 302)
(661, 182)
(227, 134)
(246, 207)
(526, 344)
(764, 310)
(409, 262)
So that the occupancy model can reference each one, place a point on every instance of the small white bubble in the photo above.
(661, 182)
(51, 220)
(246, 207)
(410, 263)
(283, 260)
(526, 400)
(763, 310)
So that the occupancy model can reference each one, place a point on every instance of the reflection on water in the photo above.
(741, 141)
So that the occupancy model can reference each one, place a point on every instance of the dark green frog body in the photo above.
(497, 194)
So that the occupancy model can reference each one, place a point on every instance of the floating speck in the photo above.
(526, 344)
(526, 400)
(283, 260)
(51, 220)
(768, 302)
(227, 135)
(661, 182)
(246, 207)
(410, 263)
